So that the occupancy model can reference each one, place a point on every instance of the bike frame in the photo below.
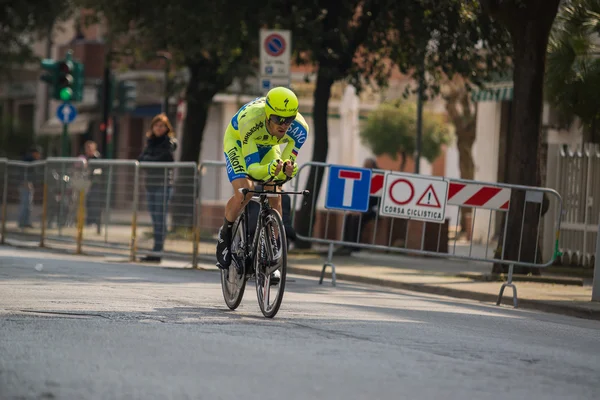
(263, 196)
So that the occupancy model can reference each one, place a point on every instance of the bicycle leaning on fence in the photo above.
(260, 255)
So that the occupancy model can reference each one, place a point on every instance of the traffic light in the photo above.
(50, 68)
(126, 96)
(64, 83)
(65, 76)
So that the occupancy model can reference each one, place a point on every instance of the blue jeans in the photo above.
(158, 201)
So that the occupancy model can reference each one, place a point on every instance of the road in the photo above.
(84, 328)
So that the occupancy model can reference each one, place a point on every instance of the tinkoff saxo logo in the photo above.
(256, 127)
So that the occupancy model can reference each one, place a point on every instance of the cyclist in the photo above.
(252, 147)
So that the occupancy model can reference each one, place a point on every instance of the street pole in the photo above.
(166, 99)
(65, 141)
(165, 55)
(49, 56)
(419, 122)
(106, 107)
(110, 138)
(596, 284)
(419, 129)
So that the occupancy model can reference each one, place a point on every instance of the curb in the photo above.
(559, 280)
(546, 306)
(490, 277)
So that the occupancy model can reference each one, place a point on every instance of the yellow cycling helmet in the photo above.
(282, 102)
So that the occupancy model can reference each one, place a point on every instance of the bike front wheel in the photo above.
(270, 263)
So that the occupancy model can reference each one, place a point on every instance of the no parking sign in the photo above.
(275, 53)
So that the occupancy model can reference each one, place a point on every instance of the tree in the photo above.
(529, 23)
(360, 41)
(463, 116)
(391, 128)
(24, 21)
(216, 41)
(329, 35)
(573, 68)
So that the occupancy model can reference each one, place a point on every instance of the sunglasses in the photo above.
(276, 119)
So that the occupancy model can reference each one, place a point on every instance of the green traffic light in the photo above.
(66, 94)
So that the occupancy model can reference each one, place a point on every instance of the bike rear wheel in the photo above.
(232, 283)
(271, 256)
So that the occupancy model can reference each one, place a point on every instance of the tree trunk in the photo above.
(198, 104)
(465, 125)
(403, 162)
(320, 149)
(464, 142)
(593, 134)
(529, 27)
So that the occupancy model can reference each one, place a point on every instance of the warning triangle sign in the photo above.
(429, 198)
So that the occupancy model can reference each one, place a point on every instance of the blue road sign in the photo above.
(348, 188)
(66, 113)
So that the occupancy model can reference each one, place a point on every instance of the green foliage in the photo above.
(573, 64)
(216, 41)
(346, 38)
(436, 39)
(357, 39)
(22, 23)
(391, 129)
(221, 38)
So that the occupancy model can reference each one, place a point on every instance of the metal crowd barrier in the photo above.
(168, 194)
(118, 204)
(214, 192)
(65, 184)
(111, 206)
(3, 199)
(128, 206)
(22, 200)
(489, 205)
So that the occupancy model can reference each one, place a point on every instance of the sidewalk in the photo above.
(469, 280)
(444, 277)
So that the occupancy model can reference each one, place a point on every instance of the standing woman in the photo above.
(160, 147)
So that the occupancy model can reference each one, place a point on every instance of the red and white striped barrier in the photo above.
(478, 196)
(377, 184)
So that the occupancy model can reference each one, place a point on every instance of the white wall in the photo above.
(485, 155)
(452, 171)
(214, 179)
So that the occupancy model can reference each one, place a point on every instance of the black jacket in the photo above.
(158, 149)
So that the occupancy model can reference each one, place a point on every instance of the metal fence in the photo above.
(129, 207)
(22, 200)
(167, 204)
(3, 197)
(214, 192)
(157, 208)
(575, 173)
(489, 206)
(65, 184)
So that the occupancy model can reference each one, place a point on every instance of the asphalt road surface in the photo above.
(84, 328)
